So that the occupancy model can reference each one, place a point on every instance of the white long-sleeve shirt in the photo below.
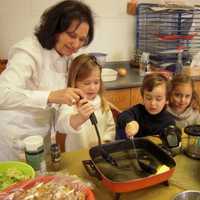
(31, 73)
(86, 136)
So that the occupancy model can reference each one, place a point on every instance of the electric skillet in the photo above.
(124, 177)
(114, 164)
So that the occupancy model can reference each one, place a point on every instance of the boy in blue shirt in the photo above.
(151, 117)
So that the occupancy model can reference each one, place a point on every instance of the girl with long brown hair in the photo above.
(85, 74)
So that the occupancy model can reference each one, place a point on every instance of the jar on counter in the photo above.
(193, 143)
(34, 153)
(55, 156)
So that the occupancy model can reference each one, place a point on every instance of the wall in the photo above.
(114, 33)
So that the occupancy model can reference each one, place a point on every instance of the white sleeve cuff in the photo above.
(38, 99)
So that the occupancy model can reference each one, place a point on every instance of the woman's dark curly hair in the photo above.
(59, 17)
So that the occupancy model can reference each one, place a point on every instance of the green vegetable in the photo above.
(10, 176)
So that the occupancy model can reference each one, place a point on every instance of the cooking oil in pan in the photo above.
(126, 169)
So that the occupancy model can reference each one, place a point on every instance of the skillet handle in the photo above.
(91, 169)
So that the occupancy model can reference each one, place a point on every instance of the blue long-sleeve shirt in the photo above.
(148, 124)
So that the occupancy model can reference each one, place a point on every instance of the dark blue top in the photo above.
(148, 124)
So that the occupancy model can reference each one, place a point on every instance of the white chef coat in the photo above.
(31, 73)
(86, 136)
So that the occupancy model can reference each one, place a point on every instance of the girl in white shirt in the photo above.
(85, 74)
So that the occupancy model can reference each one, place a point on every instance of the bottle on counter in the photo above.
(179, 63)
(55, 157)
(144, 64)
(34, 153)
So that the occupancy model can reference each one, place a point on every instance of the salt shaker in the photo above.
(34, 152)
(55, 156)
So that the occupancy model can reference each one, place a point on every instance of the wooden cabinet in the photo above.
(135, 96)
(124, 98)
(119, 97)
(197, 87)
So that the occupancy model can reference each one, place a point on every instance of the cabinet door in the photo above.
(197, 87)
(119, 97)
(135, 96)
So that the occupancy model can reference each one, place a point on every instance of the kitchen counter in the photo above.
(186, 176)
(131, 80)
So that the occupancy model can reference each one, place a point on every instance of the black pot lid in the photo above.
(193, 130)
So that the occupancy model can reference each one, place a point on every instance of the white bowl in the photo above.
(109, 74)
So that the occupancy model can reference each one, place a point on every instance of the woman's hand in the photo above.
(131, 128)
(85, 109)
(67, 96)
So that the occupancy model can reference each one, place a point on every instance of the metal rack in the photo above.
(164, 33)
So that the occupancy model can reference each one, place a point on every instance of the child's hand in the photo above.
(85, 109)
(131, 128)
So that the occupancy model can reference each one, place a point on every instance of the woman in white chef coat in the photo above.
(34, 82)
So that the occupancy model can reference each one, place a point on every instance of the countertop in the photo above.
(185, 177)
(131, 80)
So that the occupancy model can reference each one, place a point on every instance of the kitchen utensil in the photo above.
(119, 179)
(188, 195)
(14, 171)
(141, 165)
(136, 161)
(193, 144)
(104, 154)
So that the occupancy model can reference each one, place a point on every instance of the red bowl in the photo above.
(45, 179)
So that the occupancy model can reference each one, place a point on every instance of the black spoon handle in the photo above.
(104, 153)
(93, 120)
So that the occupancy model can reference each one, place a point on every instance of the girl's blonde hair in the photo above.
(153, 80)
(185, 79)
(81, 68)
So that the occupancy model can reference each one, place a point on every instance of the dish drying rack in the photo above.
(164, 33)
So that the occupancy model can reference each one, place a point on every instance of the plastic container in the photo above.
(34, 152)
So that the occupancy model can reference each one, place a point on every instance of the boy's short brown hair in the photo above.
(153, 80)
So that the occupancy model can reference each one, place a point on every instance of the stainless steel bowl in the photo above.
(188, 195)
